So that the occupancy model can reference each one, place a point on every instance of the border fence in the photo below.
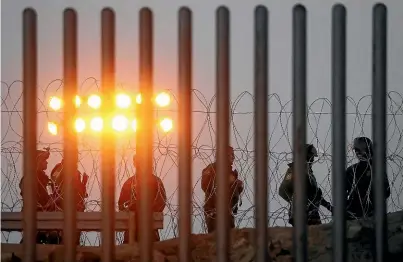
(255, 160)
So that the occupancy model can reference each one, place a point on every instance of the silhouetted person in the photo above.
(209, 186)
(80, 189)
(44, 200)
(359, 189)
(130, 197)
(314, 193)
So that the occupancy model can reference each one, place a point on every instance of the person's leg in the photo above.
(126, 237)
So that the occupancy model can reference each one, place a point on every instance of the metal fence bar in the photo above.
(299, 133)
(223, 122)
(379, 88)
(339, 131)
(70, 150)
(145, 134)
(185, 132)
(30, 75)
(108, 138)
(261, 130)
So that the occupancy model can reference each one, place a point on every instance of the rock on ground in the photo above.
(360, 243)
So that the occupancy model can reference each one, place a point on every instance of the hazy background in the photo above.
(359, 70)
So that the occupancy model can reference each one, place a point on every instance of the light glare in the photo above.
(120, 123)
(163, 99)
(94, 101)
(77, 101)
(138, 99)
(166, 124)
(55, 103)
(80, 125)
(97, 124)
(123, 101)
(52, 128)
(134, 125)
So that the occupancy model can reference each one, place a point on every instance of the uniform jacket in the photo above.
(44, 200)
(129, 195)
(314, 193)
(359, 189)
(209, 185)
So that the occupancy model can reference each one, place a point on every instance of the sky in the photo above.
(359, 70)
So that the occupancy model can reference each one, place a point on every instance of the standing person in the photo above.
(80, 185)
(314, 193)
(209, 186)
(44, 200)
(129, 199)
(360, 191)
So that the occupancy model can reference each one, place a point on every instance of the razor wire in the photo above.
(165, 146)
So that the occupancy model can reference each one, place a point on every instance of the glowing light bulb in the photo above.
(55, 103)
(77, 101)
(138, 99)
(166, 124)
(94, 101)
(163, 99)
(79, 125)
(52, 128)
(120, 123)
(123, 101)
(97, 124)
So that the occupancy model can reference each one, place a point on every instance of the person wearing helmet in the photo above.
(314, 193)
(44, 200)
(360, 192)
(209, 184)
(129, 199)
(80, 182)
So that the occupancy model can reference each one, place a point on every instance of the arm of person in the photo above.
(124, 196)
(208, 179)
(161, 198)
(286, 187)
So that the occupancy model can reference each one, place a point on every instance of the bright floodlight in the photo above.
(94, 101)
(120, 123)
(123, 100)
(163, 99)
(55, 103)
(166, 124)
(138, 99)
(79, 125)
(52, 128)
(134, 125)
(97, 124)
(77, 101)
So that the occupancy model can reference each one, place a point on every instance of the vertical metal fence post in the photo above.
(223, 122)
(108, 138)
(379, 95)
(70, 152)
(339, 130)
(144, 144)
(299, 133)
(261, 130)
(185, 132)
(30, 74)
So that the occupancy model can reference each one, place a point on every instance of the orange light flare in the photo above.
(163, 99)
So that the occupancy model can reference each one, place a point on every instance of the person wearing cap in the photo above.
(130, 197)
(314, 193)
(80, 182)
(44, 200)
(209, 187)
(359, 189)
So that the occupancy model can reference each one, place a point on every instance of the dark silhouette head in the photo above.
(363, 148)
